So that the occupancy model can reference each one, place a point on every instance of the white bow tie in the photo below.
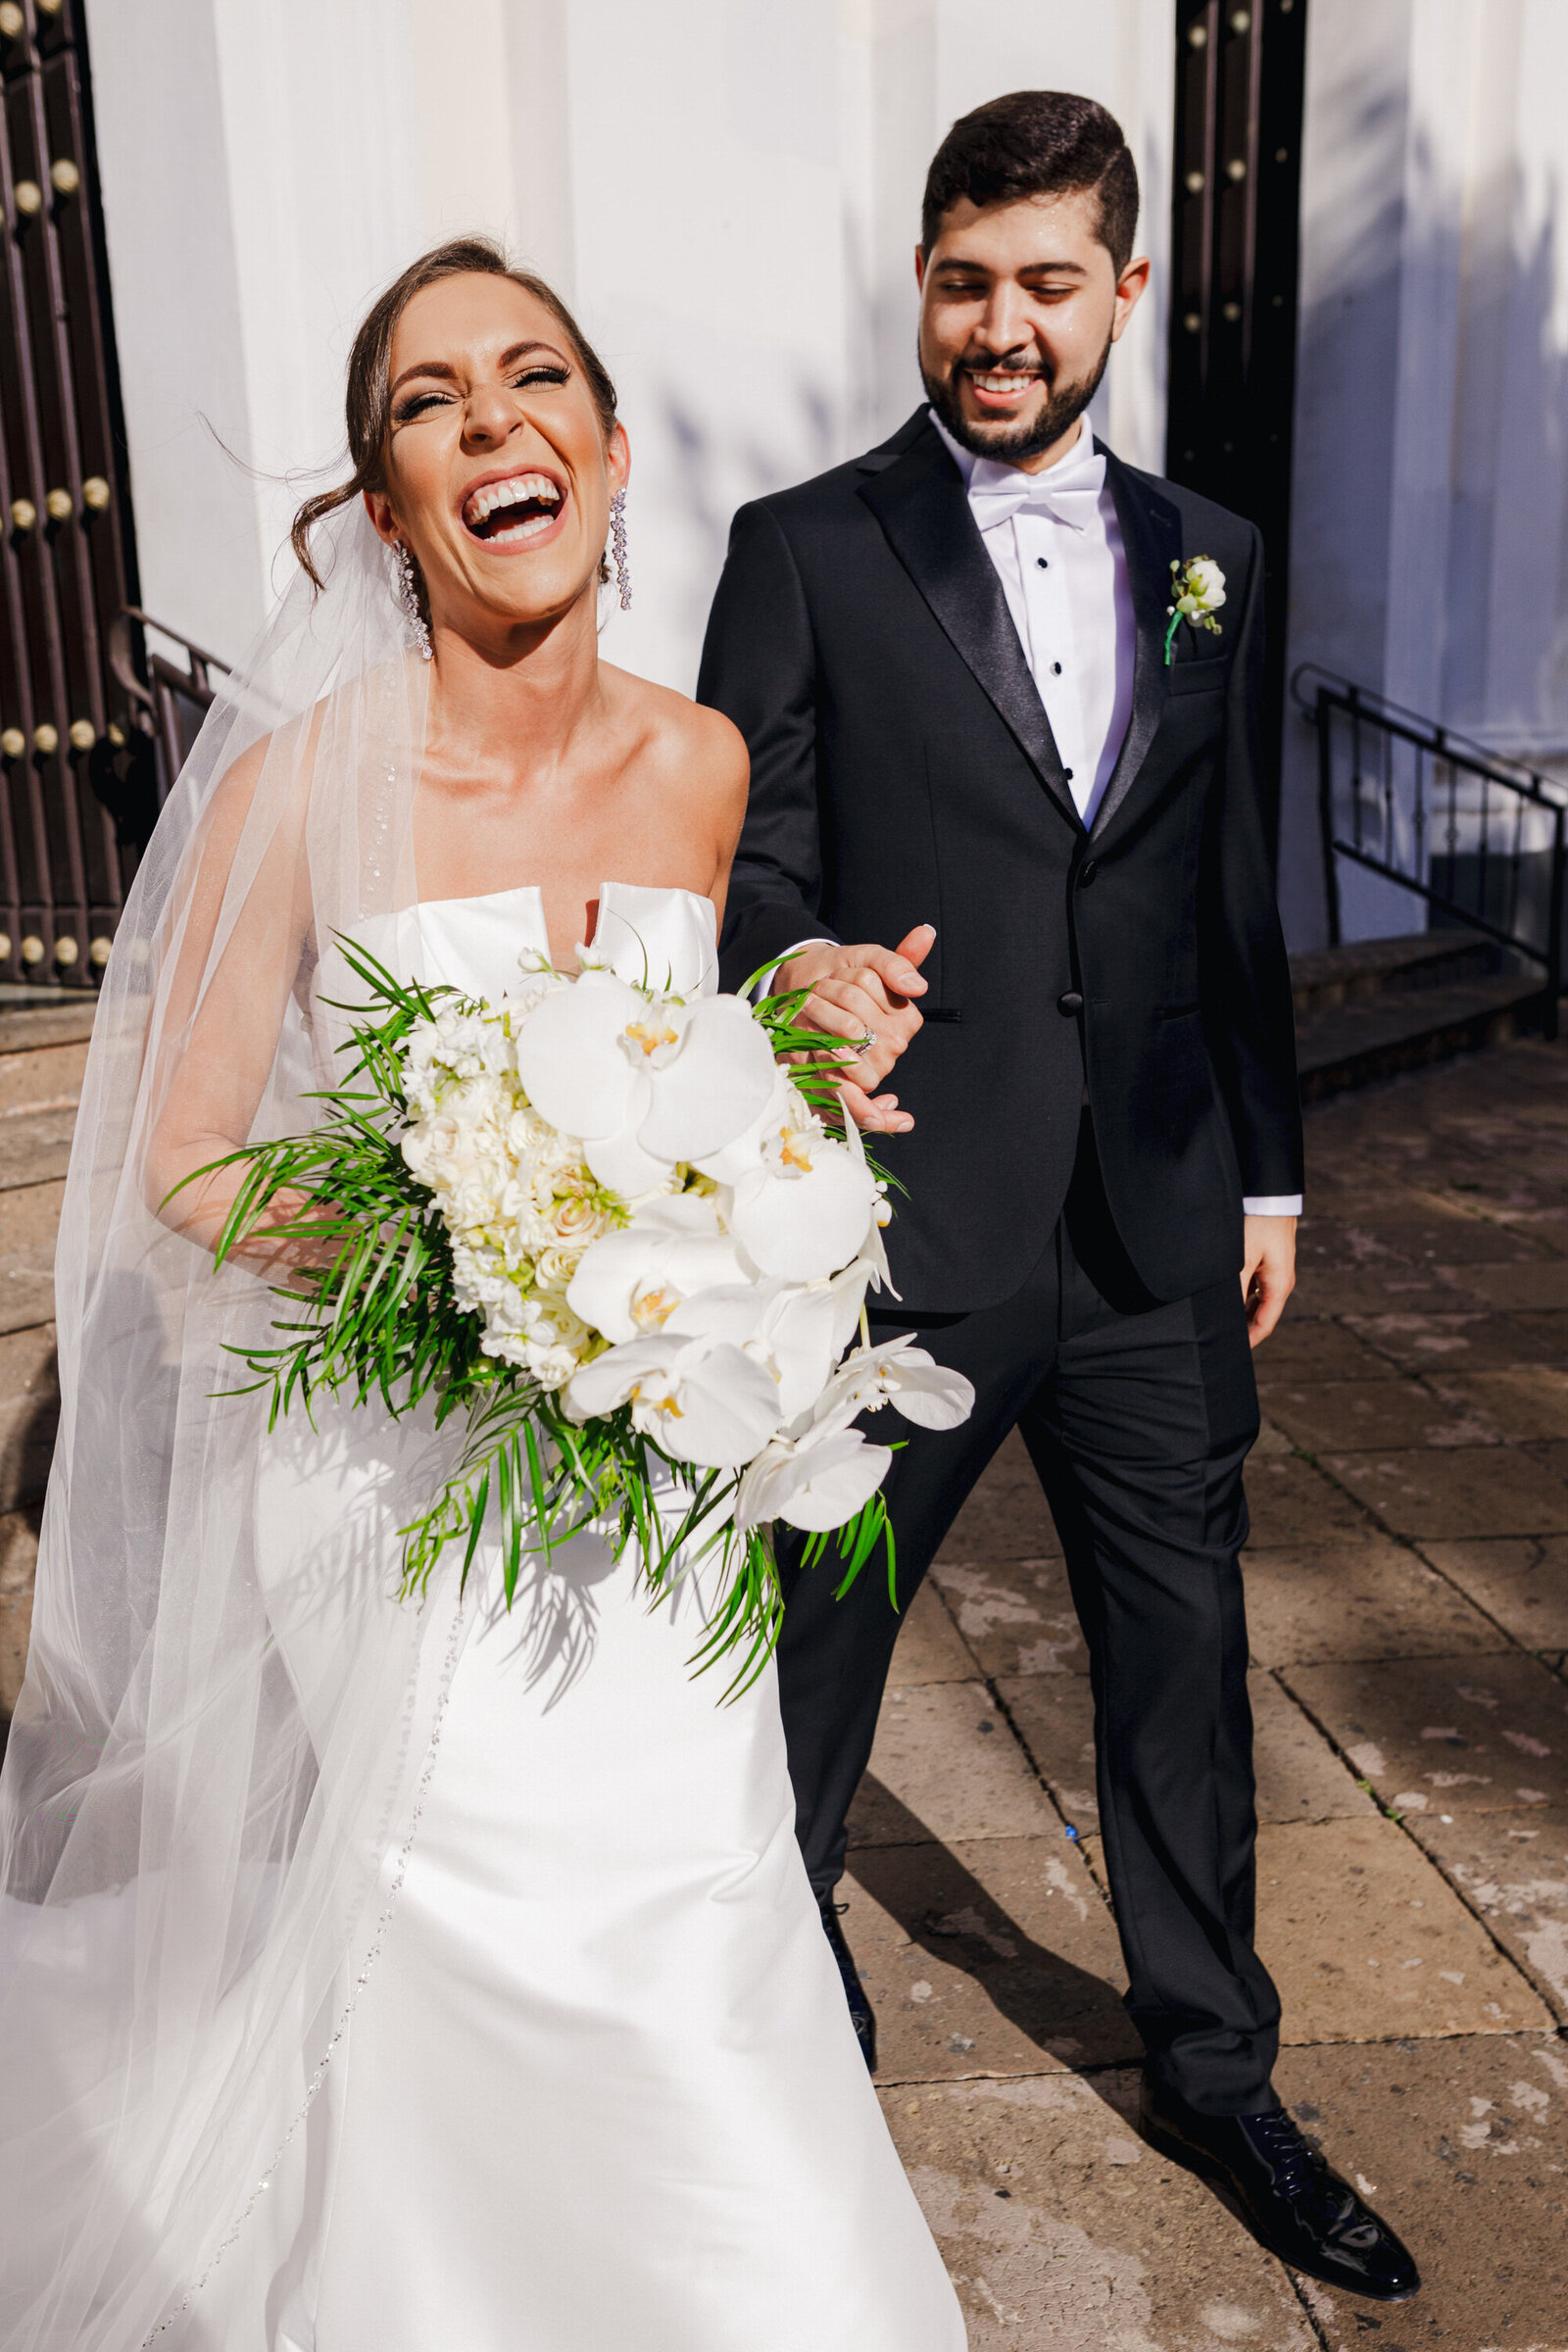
(1070, 492)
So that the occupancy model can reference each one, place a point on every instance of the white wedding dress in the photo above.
(599, 2091)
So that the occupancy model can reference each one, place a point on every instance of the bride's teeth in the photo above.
(524, 489)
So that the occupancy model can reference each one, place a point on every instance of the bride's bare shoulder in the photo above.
(696, 749)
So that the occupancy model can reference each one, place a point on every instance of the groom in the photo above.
(969, 704)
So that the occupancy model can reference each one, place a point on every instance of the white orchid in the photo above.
(814, 1482)
(898, 1373)
(710, 1405)
(646, 1081)
(799, 1202)
(632, 1282)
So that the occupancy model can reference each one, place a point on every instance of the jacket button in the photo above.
(1071, 1004)
(1087, 871)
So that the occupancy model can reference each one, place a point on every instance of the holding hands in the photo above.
(864, 993)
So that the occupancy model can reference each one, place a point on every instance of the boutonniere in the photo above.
(1198, 588)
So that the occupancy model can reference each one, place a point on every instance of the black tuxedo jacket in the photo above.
(903, 771)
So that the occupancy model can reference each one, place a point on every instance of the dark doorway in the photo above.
(66, 554)
(1235, 244)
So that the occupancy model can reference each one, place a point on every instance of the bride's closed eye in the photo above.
(419, 403)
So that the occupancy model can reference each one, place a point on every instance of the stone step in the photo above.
(1324, 978)
(26, 1028)
(1359, 1043)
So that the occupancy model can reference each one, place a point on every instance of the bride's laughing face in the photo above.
(498, 471)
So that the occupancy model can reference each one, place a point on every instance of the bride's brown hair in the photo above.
(368, 402)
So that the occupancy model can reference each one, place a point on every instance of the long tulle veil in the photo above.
(201, 1813)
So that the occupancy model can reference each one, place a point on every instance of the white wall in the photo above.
(728, 191)
(1428, 553)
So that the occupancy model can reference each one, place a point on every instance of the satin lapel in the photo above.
(1150, 533)
(920, 503)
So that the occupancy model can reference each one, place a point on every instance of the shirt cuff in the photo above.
(1273, 1204)
(764, 986)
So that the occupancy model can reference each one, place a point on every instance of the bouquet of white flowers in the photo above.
(630, 1243)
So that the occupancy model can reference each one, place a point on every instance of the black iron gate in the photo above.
(66, 560)
(1235, 239)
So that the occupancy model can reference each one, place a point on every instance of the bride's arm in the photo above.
(236, 928)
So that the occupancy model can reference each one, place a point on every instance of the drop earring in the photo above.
(408, 596)
(617, 543)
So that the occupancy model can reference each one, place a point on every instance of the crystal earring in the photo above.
(408, 596)
(618, 542)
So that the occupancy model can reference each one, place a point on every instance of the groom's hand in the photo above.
(1268, 1271)
(864, 992)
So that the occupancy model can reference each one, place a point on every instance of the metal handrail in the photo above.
(1377, 724)
(157, 685)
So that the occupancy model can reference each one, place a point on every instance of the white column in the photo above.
(260, 182)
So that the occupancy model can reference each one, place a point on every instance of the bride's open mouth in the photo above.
(515, 511)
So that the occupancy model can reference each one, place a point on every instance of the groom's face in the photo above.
(1019, 306)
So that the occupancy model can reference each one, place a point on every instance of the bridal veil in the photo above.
(198, 1844)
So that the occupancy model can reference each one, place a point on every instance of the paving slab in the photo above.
(1524, 1401)
(1367, 1941)
(1299, 1778)
(1005, 1517)
(1290, 1501)
(929, 1648)
(1456, 1340)
(1392, 1286)
(1513, 1870)
(1353, 1415)
(1304, 1346)
(945, 1766)
(1062, 2233)
(1468, 1735)
(1540, 1338)
(1522, 1581)
(1015, 1616)
(1532, 1284)
(997, 1956)
(1360, 1598)
(29, 1411)
(1465, 2146)
(31, 1220)
(1463, 1490)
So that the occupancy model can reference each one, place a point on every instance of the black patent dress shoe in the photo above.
(1291, 2199)
(861, 2015)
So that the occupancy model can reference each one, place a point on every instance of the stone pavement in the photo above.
(1408, 1597)
(1409, 1602)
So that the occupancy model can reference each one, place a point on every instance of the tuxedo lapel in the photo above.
(1150, 539)
(1150, 533)
(919, 498)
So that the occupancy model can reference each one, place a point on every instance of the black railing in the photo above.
(132, 767)
(1483, 840)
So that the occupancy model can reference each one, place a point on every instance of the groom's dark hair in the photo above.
(1036, 143)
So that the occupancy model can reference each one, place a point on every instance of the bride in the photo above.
(376, 1974)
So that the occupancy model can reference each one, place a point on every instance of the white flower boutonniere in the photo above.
(1198, 588)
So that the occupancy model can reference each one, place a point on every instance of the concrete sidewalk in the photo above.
(1408, 1598)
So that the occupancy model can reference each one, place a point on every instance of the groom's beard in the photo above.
(1056, 416)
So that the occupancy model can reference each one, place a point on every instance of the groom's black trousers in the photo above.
(1138, 1415)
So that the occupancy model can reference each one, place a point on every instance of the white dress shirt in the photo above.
(1056, 545)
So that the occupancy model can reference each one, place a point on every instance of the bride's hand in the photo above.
(864, 992)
